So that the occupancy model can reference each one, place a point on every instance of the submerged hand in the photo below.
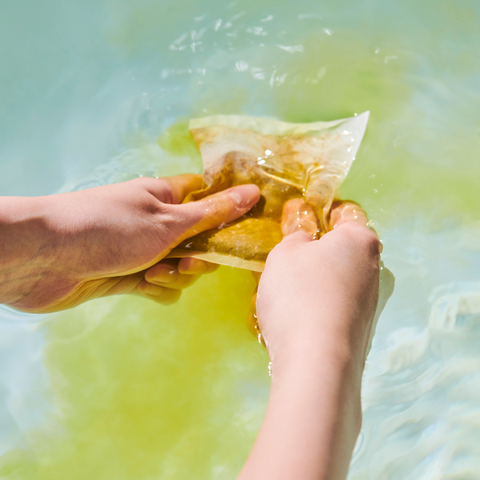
(61, 250)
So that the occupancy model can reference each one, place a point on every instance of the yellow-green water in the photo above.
(142, 391)
(125, 389)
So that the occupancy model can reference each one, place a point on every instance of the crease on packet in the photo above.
(286, 160)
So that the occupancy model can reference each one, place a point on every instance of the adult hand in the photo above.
(62, 250)
(298, 216)
(316, 303)
(344, 262)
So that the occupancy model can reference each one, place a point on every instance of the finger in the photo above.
(347, 211)
(298, 215)
(215, 210)
(178, 187)
(195, 266)
(297, 237)
(227, 206)
(115, 285)
(168, 276)
(163, 295)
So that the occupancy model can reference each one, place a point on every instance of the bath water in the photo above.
(100, 92)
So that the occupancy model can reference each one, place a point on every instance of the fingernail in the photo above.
(192, 266)
(244, 196)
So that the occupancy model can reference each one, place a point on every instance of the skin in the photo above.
(315, 304)
(315, 307)
(61, 250)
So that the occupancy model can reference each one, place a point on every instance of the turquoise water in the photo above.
(86, 88)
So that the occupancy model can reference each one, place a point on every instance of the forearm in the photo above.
(315, 306)
(23, 243)
(313, 416)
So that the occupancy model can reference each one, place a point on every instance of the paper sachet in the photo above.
(285, 160)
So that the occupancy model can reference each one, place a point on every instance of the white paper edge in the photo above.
(272, 126)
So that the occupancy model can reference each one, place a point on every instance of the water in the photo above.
(123, 389)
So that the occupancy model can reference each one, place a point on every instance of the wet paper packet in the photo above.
(285, 160)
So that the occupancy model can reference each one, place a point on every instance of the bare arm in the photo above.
(61, 250)
(316, 302)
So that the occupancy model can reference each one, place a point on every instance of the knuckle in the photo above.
(216, 208)
(293, 239)
(372, 243)
(143, 182)
(289, 244)
(365, 239)
(296, 237)
(284, 248)
(213, 211)
(350, 228)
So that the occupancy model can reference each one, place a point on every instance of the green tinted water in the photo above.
(137, 391)
(144, 391)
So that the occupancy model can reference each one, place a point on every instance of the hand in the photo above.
(300, 217)
(341, 268)
(297, 215)
(316, 303)
(62, 250)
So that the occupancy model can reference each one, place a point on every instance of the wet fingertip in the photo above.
(347, 211)
(195, 266)
(161, 274)
(163, 295)
(171, 297)
(191, 266)
(211, 267)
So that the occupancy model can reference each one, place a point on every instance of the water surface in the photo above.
(123, 389)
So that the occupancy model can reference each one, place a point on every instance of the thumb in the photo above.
(216, 210)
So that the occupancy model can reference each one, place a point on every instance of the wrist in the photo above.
(315, 396)
(307, 354)
(24, 242)
(333, 323)
(21, 219)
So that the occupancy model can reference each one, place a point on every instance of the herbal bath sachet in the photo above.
(285, 160)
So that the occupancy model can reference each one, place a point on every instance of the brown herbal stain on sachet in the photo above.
(248, 239)
(253, 235)
(285, 161)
